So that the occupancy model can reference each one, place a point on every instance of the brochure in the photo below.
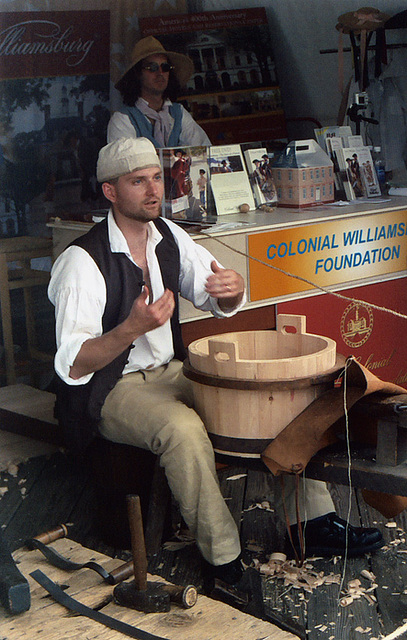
(322, 135)
(186, 178)
(362, 172)
(258, 166)
(229, 180)
(343, 179)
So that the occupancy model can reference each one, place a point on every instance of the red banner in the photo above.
(54, 43)
(374, 337)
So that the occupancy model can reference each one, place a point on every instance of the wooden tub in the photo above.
(249, 385)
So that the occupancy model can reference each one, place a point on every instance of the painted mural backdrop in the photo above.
(54, 109)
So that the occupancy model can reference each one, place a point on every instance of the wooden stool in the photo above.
(118, 469)
(122, 469)
(21, 250)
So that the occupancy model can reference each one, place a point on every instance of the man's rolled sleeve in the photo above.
(78, 292)
(220, 313)
(64, 359)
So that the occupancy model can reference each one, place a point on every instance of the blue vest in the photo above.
(78, 407)
(144, 127)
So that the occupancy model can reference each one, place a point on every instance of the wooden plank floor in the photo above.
(50, 489)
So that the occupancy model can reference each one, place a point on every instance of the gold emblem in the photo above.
(356, 324)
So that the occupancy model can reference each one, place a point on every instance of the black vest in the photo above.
(78, 408)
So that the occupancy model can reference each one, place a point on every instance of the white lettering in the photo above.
(51, 40)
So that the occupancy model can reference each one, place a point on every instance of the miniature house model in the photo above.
(303, 175)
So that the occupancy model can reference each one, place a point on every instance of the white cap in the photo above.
(124, 156)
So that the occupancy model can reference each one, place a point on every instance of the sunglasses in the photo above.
(154, 66)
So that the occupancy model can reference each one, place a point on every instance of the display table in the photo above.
(308, 243)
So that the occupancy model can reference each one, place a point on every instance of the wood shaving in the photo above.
(391, 525)
(396, 633)
(368, 574)
(173, 545)
(237, 477)
(3, 491)
(12, 469)
(356, 590)
(179, 542)
(265, 505)
(298, 577)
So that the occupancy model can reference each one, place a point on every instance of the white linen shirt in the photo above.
(77, 289)
(191, 134)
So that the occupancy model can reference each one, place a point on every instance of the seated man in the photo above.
(120, 352)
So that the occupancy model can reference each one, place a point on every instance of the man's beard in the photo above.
(143, 215)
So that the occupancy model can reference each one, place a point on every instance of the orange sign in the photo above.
(291, 261)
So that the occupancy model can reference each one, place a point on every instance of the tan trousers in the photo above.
(153, 410)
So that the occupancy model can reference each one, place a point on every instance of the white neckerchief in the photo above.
(162, 123)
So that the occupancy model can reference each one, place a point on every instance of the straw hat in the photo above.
(183, 66)
(364, 19)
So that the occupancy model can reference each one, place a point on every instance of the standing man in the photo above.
(202, 182)
(119, 351)
(149, 90)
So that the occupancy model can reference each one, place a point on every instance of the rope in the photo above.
(313, 284)
(345, 409)
(299, 559)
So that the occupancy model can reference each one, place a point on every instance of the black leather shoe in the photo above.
(326, 536)
(230, 573)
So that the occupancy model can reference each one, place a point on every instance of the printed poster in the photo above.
(229, 180)
(53, 116)
(234, 92)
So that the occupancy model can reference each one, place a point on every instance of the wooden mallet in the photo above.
(140, 594)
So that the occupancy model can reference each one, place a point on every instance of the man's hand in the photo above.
(96, 353)
(144, 317)
(226, 285)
